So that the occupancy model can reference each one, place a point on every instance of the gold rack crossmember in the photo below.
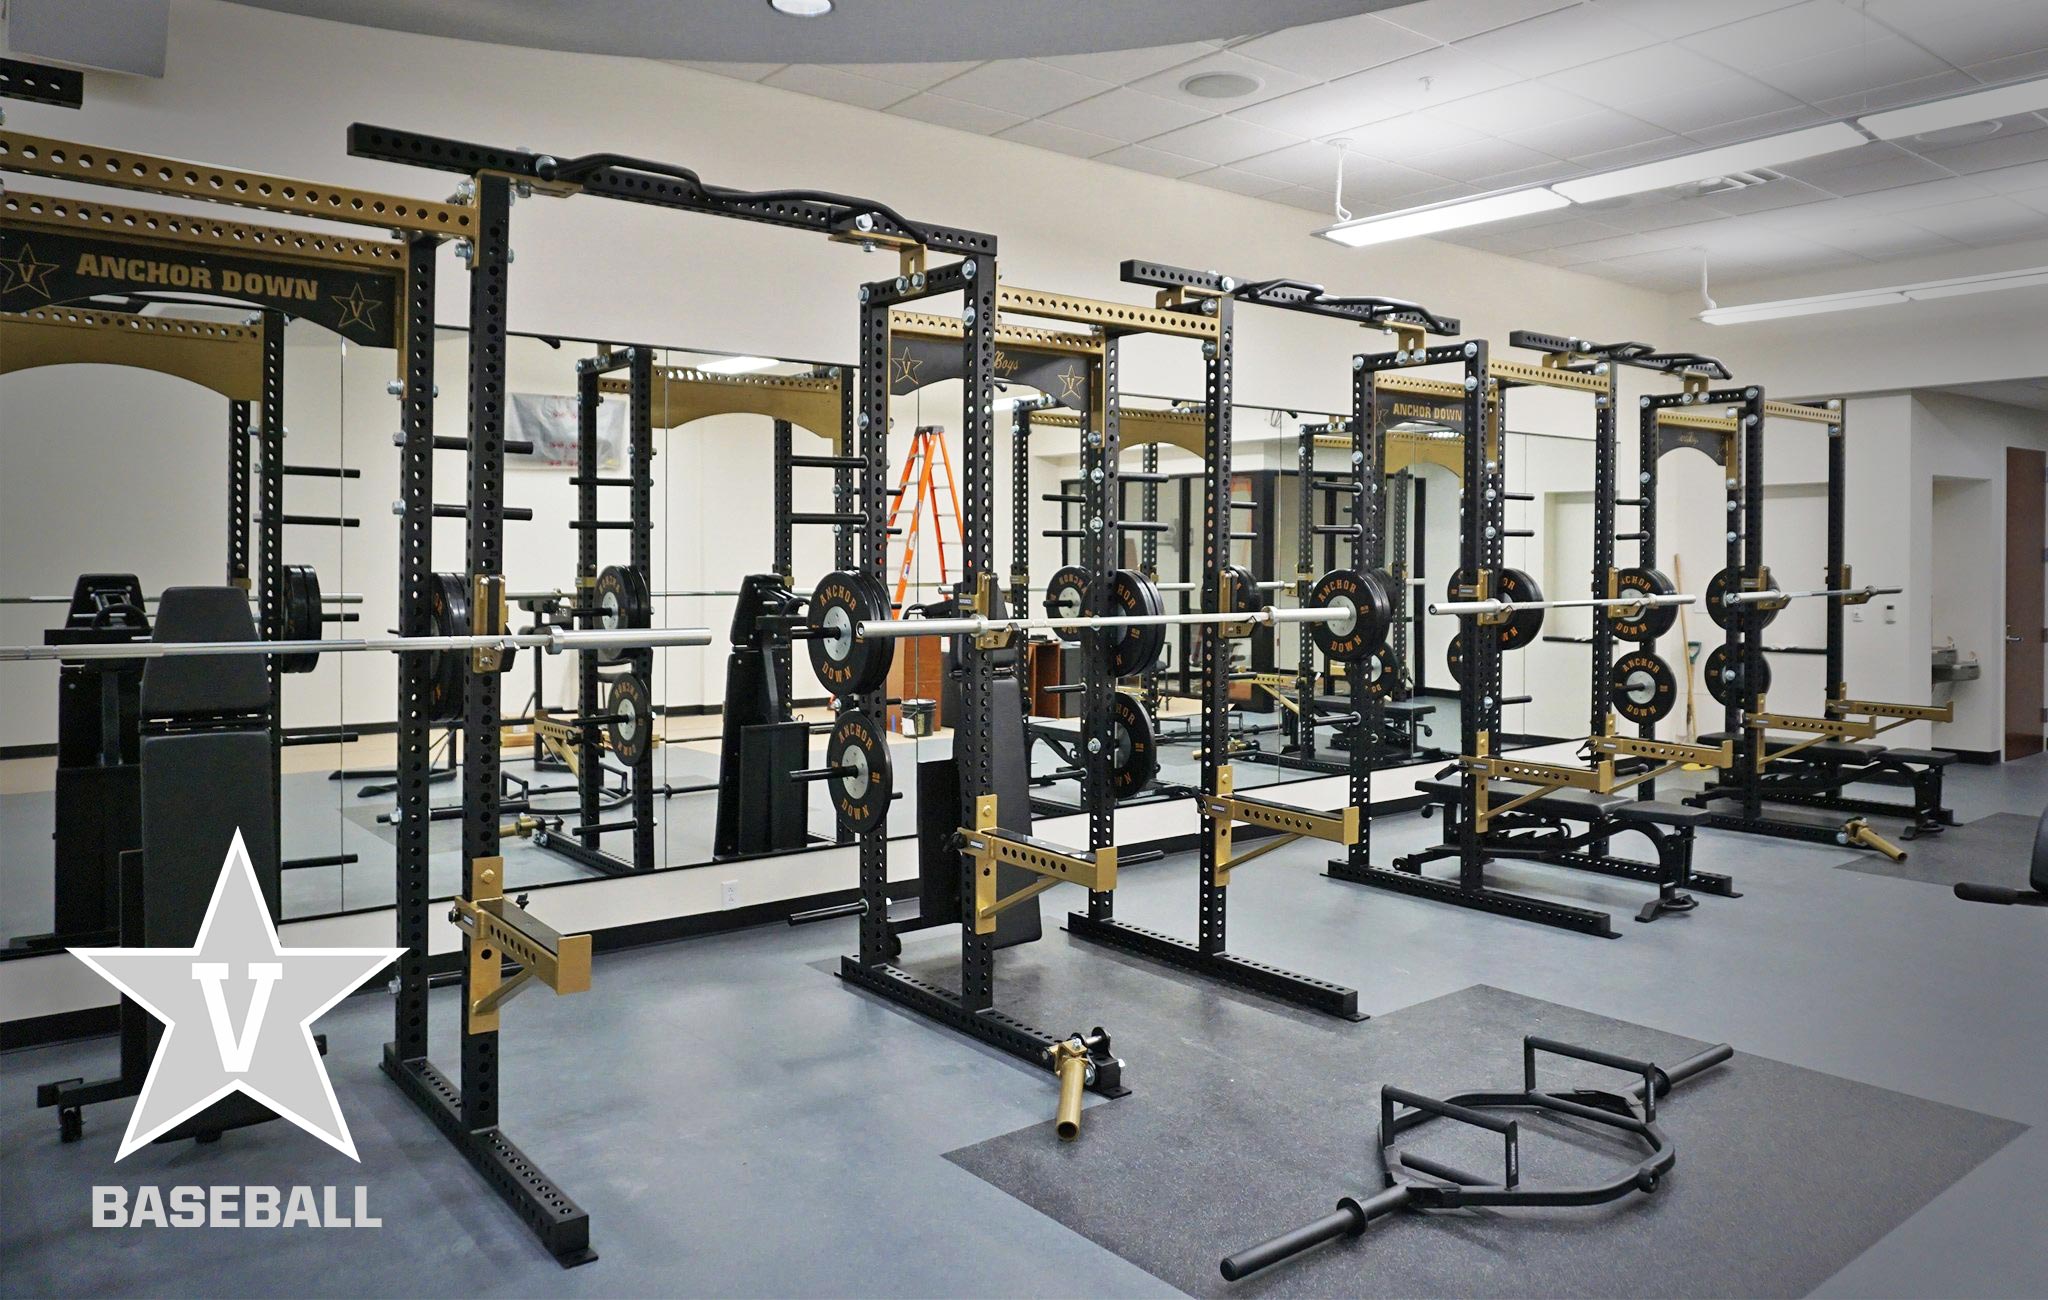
(225, 358)
(1665, 751)
(1024, 338)
(1801, 411)
(1109, 317)
(1822, 728)
(1696, 419)
(1548, 377)
(681, 395)
(989, 848)
(36, 155)
(46, 211)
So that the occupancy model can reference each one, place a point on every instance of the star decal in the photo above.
(1071, 380)
(238, 1009)
(905, 366)
(357, 308)
(25, 272)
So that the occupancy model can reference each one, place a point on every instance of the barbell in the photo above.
(553, 641)
(1728, 603)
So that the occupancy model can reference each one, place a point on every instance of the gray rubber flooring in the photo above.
(739, 1124)
(1244, 1138)
(1994, 850)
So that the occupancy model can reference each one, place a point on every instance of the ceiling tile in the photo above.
(1325, 110)
(1023, 87)
(1425, 80)
(1306, 196)
(1059, 139)
(2013, 180)
(1575, 230)
(1967, 31)
(1327, 50)
(1629, 155)
(917, 76)
(1409, 138)
(2016, 67)
(1883, 238)
(1754, 128)
(1804, 29)
(1883, 60)
(1496, 112)
(940, 111)
(830, 83)
(1642, 213)
(1299, 164)
(1221, 140)
(1368, 180)
(1119, 66)
(1596, 250)
(1273, 82)
(1717, 103)
(738, 71)
(1454, 20)
(1899, 94)
(1902, 199)
(1994, 219)
(2035, 199)
(1590, 133)
(1545, 173)
(1874, 166)
(1237, 182)
(2022, 141)
(1156, 161)
(1125, 114)
(1674, 18)
(1623, 80)
(1563, 38)
(1485, 158)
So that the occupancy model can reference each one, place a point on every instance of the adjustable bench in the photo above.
(1815, 775)
(1542, 830)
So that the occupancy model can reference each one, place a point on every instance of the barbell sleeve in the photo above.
(553, 642)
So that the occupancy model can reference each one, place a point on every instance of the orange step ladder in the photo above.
(928, 463)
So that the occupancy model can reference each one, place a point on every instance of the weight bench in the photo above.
(1571, 828)
(1815, 776)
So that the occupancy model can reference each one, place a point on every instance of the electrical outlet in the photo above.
(728, 894)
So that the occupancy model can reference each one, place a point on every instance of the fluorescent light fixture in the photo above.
(1855, 299)
(1455, 215)
(1958, 110)
(737, 365)
(1769, 151)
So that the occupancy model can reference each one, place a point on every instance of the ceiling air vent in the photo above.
(1729, 183)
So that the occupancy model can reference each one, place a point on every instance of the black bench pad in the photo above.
(1921, 757)
(1583, 805)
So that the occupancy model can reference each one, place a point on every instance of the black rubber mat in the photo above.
(1783, 1176)
(1994, 850)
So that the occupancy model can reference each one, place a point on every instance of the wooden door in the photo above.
(2026, 566)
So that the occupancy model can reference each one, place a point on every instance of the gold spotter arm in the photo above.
(1075, 1067)
(1899, 713)
(989, 847)
(498, 929)
(1340, 827)
(1859, 832)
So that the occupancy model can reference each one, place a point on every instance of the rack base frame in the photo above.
(561, 1225)
(1407, 878)
(994, 1027)
(1226, 968)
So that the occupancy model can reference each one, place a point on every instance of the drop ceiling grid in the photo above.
(1448, 98)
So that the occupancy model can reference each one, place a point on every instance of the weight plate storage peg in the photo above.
(1244, 591)
(1352, 639)
(1723, 614)
(861, 780)
(1724, 677)
(302, 622)
(1519, 589)
(1644, 687)
(1654, 620)
(621, 601)
(1134, 756)
(847, 664)
(1066, 593)
(631, 729)
(1133, 649)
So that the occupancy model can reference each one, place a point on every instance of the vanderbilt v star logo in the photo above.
(238, 1010)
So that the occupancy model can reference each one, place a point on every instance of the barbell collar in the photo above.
(553, 642)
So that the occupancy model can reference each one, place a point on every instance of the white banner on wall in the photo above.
(550, 422)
